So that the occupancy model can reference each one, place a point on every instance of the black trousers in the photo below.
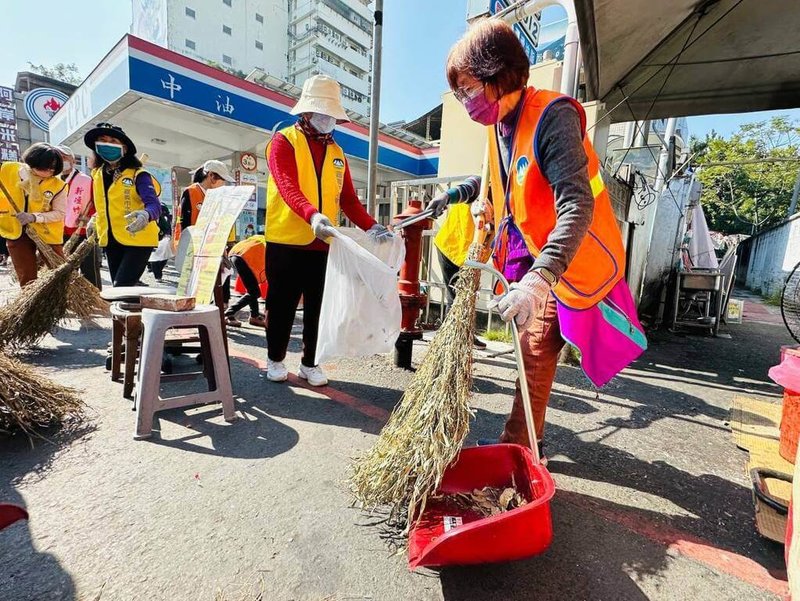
(157, 267)
(90, 266)
(291, 272)
(449, 269)
(250, 282)
(126, 263)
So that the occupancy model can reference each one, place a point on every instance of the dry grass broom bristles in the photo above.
(29, 401)
(39, 306)
(425, 432)
(83, 299)
(72, 243)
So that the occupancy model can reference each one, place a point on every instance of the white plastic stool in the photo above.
(155, 324)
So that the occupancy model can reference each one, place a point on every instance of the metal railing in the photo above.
(431, 279)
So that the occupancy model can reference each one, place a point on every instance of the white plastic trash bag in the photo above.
(360, 313)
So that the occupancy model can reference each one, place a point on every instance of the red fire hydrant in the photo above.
(411, 299)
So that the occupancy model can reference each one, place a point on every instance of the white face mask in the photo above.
(67, 167)
(324, 124)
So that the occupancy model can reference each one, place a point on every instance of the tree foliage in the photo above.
(68, 73)
(744, 197)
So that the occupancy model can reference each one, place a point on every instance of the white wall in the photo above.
(205, 30)
(772, 256)
(655, 242)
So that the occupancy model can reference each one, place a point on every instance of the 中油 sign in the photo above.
(41, 104)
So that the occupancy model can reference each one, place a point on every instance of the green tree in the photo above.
(67, 73)
(751, 190)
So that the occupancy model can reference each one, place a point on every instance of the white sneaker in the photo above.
(314, 375)
(276, 371)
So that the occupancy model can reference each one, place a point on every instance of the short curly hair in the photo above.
(491, 53)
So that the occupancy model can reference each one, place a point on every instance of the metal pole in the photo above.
(569, 67)
(663, 157)
(375, 108)
(793, 204)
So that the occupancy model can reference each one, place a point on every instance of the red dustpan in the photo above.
(445, 535)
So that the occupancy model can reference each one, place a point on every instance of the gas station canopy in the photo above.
(710, 56)
(181, 112)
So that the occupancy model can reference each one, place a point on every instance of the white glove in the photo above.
(322, 226)
(137, 220)
(26, 218)
(90, 227)
(380, 233)
(439, 204)
(523, 300)
(479, 207)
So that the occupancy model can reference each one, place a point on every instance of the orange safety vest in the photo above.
(600, 260)
(253, 251)
(196, 197)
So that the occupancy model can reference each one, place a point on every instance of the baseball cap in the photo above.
(219, 168)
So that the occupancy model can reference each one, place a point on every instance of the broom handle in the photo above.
(523, 380)
(482, 226)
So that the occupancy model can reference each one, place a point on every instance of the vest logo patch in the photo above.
(522, 169)
(48, 195)
(127, 181)
(339, 163)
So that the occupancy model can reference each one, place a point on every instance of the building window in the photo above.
(259, 45)
(227, 2)
(259, 18)
(227, 30)
(227, 60)
(190, 13)
(191, 45)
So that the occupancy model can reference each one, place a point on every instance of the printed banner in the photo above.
(221, 208)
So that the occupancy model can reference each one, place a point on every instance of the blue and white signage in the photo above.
(527, 30)
(41, 104)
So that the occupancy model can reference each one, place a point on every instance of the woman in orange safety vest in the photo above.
(556, 236)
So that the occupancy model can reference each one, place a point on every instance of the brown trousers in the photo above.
(23, 255)
(541, 344)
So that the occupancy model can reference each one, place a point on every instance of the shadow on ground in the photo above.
(20, 561)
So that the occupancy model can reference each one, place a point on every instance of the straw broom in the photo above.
(29, 401)
(425, 432)
(39, 307)
(75, 238)
(83, 299)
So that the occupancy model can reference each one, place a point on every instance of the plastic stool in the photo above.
(215, 365)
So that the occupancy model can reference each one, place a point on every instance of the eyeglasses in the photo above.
(465, 94)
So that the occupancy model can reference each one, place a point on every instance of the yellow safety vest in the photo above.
(122, 199)
(455, 235)
(284, 226)
(10, 227)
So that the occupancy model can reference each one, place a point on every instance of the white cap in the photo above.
(65, 151)
(321, 94)
(219, 168)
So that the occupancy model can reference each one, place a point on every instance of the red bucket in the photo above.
(443, 537)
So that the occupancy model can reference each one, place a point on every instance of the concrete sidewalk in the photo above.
(652, 499)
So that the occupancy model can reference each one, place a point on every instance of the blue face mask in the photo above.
(109, 152)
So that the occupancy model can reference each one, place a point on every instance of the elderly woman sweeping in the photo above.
(126, 200)
(556, 235)
(32, 196)
(309, 181)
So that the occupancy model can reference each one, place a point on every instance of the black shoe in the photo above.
(478, 343)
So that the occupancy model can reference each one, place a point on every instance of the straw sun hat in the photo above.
(321, 94)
